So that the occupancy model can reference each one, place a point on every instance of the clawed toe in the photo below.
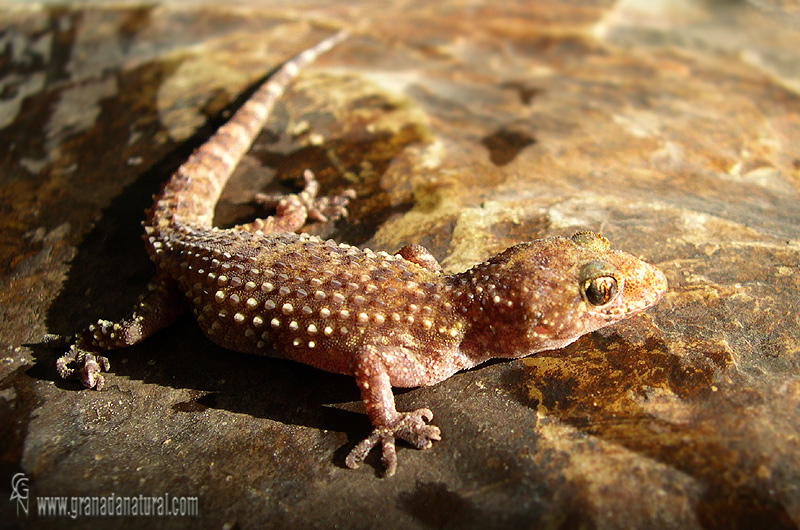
(415, 431)
(410, 426)
(329, 208)
(321, 209)
(324, 209)
(88, 367)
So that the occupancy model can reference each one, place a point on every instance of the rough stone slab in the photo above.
(672, 128)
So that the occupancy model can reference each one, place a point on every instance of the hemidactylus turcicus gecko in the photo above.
(388, 320)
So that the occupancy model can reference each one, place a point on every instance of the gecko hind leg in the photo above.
(158, 307)
(419, 255)
(294, 210)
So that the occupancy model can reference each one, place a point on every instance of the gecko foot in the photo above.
(320, 209)
(409, 426)
(87, 367)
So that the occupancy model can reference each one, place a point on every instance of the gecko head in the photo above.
(552, 291)
(613, 284)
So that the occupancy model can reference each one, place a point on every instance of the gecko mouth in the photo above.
(650, 291)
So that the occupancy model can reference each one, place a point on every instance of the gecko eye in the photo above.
(599, 291)
(599, 284)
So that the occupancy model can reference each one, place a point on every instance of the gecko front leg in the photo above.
(371, 370)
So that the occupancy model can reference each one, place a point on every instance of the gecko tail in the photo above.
(190, 196)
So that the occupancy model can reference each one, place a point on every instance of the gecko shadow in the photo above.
(285, 392)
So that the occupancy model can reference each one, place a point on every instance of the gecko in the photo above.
(388, 320)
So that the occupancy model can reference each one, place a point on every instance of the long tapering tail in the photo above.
(190, 196)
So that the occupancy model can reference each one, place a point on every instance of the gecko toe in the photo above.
(409, 426)
(360, 451)
(90, 374)
(389, 456)
(87, 367)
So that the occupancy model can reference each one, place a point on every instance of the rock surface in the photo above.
(672, 128)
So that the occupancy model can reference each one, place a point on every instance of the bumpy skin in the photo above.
(388, 320)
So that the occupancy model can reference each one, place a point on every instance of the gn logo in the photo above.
(19, 492)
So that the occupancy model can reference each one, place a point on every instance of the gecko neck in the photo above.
(490, 320)
(502, 314)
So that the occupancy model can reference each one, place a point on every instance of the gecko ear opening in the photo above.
(599, 283)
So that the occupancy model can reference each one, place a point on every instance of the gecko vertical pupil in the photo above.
(600, 291)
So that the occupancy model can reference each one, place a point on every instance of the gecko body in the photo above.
(386, 319)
